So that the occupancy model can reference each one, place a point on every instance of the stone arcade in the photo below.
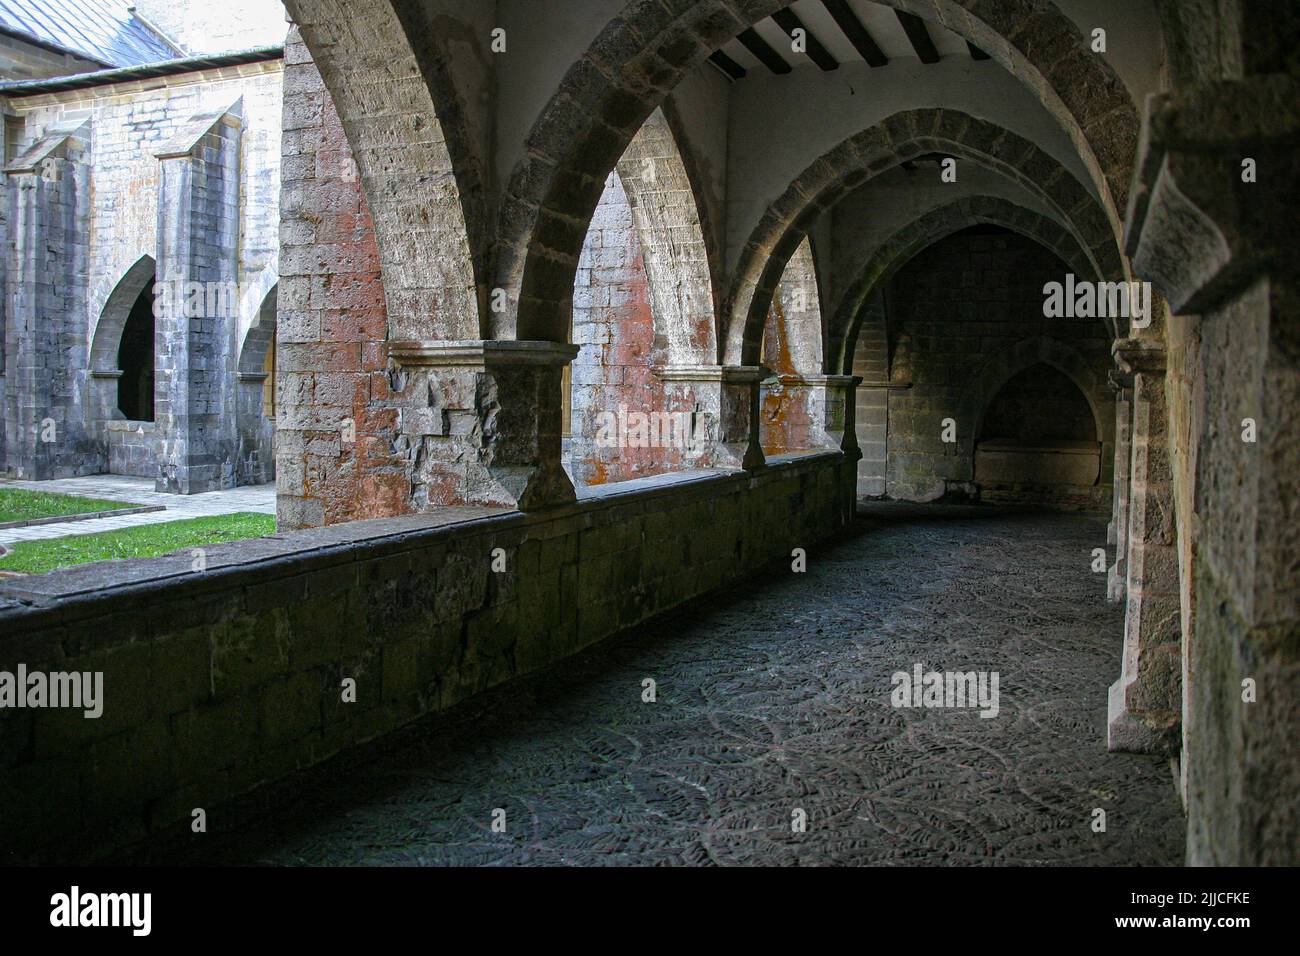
(497, 224)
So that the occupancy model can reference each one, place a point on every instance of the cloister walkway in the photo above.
(772, 699)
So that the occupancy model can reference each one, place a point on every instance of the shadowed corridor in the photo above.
(773, 699)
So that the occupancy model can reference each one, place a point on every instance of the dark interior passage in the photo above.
(135, 357)
(1039, 405)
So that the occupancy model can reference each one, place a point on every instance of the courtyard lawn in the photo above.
(19, 504)
(145, 541)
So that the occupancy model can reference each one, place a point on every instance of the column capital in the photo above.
(1139, 356)
(1198, 224)
(1119, 380)
(479, 353)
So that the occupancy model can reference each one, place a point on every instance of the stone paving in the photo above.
(255, 498)
(773, 698)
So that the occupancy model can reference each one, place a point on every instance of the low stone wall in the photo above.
(220, 680)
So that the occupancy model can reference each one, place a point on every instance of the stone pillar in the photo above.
(1145, 703)
(196, 312)
(1211, 224)
(725, 402)
(1117, 530)
(46, 353)
(490, 433)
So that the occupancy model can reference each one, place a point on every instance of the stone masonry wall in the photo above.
(613, 325)
(957, 313)
(221, 680)
(127, 123)
(331, 327)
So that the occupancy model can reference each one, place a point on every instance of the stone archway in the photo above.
(680, 263)
(887, 258)
(1002, 367)
(854, 162)
(388, 72)
(606, 96)
(255, 403)
(104, 371)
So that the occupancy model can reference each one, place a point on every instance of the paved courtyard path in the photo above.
(772, 699)
(140, 491)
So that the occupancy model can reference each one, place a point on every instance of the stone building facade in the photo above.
(141, 263)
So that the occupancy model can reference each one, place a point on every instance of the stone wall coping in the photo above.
(481, 352)
(75, 594)
(191, 134)
(45, 147)
(728, 374)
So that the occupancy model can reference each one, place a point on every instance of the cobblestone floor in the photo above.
(140, 491)
(773, 698)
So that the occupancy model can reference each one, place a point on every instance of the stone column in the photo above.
(46, 354)
(196, 312)
(491, 431)
(1145, 703)
(1211, 224)
(725, 402)
(1117, 531)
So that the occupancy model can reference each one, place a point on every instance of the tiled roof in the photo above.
(101, 30)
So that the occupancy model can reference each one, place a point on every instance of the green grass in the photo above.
(145, 541)
(18, 504)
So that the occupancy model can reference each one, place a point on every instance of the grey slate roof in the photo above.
(101, 30)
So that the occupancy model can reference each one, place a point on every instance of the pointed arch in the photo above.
(901, 137)
(1000, 368)
(413, 148)
(642, 54)
(795, 330)
(114, 311)
(679, 261)
(885, 259)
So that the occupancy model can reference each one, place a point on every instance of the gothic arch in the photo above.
(388, 72)
(644, 53)
(797, 317)
(679, 261)
(260, 335)
(112, 315)
(854, 162)
(1000, 368)
(891, 255)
